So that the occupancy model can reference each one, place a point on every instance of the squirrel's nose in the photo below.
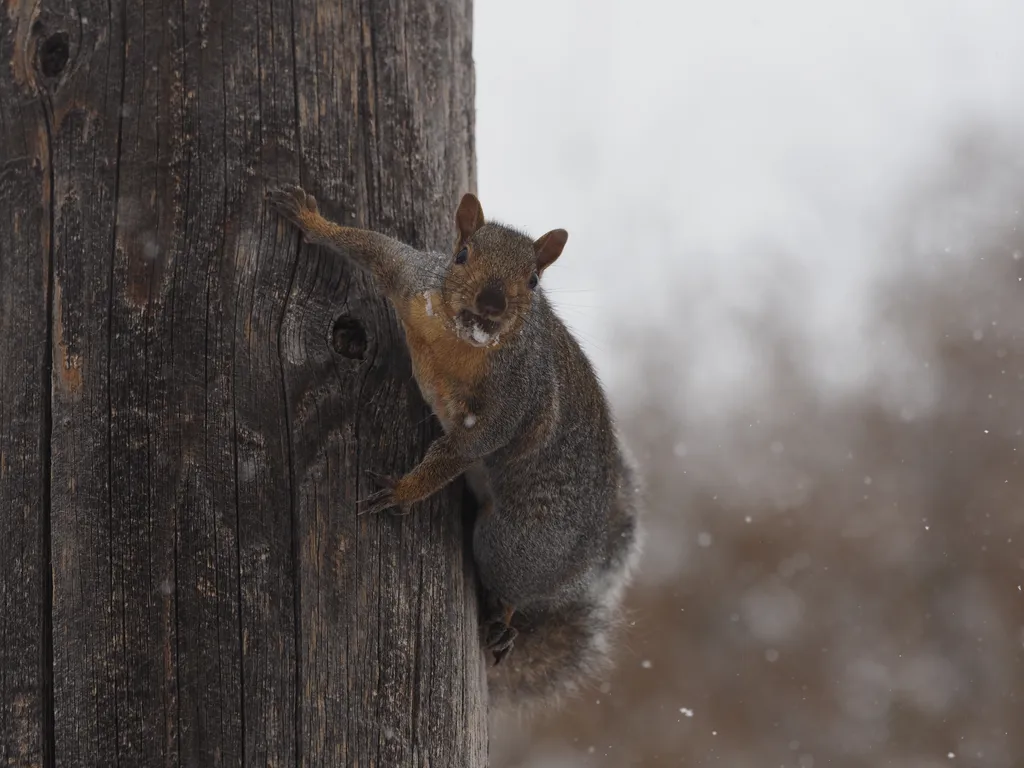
(490, 300)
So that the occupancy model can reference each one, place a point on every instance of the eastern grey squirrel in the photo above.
(525, 418)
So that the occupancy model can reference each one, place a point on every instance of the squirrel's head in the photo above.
(494, 274)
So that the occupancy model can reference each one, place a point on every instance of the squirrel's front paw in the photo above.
(294, 203)
(384, 499)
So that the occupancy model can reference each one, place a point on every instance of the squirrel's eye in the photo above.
(533, 281)
(461, 256)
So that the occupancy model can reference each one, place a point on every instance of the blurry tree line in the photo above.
(835, 578)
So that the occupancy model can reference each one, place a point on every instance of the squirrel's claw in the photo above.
(501, 653)
(291, 202)
(501, 638)
(380, 501)
(384, 498)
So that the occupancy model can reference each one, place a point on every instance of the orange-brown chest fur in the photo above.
(447, 369)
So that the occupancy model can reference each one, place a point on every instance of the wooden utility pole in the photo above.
(189, 399)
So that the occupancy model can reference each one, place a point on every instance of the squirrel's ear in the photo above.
(549, 247)
(470, 216)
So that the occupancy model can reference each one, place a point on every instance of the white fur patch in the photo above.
(470, 421)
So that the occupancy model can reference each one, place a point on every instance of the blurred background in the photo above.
(795, 255)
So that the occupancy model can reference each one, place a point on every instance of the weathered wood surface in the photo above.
(189, 399)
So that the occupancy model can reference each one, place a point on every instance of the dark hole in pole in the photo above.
(349, 338)
(53, 54)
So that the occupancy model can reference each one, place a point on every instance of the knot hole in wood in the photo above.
(54, 52)
(348, 337)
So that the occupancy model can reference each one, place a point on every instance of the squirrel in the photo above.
(525, 418)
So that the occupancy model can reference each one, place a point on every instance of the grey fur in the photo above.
(559, 532)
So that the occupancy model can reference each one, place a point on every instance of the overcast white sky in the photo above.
(743, 151)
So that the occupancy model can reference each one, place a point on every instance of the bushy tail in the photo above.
(557, 652)
(560, 649)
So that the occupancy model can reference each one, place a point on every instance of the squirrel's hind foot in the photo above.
(501, 637)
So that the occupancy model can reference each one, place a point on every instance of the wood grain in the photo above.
(25, 236)
(189, 398)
